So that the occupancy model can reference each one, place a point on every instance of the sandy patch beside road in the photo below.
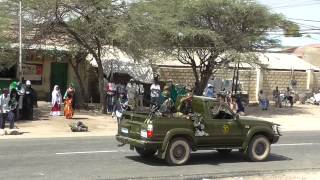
(299, 118)
(305, 175)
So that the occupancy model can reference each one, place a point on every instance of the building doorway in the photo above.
(59, 76)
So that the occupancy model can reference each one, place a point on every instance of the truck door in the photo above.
(224, 130)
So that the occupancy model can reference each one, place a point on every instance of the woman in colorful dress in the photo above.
(68, 109)
(71, 90)
(56, 101)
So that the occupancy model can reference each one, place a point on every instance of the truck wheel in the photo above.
(145, 152)
(178, 152)
(224, 151)
(259, 148)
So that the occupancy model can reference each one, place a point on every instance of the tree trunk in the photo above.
(83, 94)
(203, 81)
(101, 77)
(101, 86)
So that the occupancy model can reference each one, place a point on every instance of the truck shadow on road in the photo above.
(211, 158)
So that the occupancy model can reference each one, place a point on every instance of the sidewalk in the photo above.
(290, 175)
(298, 118)
(46, 126)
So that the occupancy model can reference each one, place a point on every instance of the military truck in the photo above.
(210, 125)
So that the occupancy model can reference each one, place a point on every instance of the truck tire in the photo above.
(178, 152)
(259, 148)
(224, 151)
(145, 153)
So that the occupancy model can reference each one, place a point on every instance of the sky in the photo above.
(306, 13)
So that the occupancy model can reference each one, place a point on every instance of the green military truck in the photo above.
(211, 125)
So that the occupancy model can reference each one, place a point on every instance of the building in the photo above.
(44, 66)
(282, 69)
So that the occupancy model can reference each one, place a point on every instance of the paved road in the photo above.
(100, 158)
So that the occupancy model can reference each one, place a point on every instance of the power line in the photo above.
(307, 20)
(296, 5)
(307, 26)
(288, 2)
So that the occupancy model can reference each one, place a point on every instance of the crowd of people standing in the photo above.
(279, 98)
(17, 103)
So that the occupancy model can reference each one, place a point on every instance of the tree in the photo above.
(88, 24)
(200, 33)
(8, 56)
(78, 58)
(291, 29)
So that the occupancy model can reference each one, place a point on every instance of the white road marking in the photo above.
(87, 152)
(115, 151)
(297, 144)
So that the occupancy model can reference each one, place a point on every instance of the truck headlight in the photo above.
(276, 129)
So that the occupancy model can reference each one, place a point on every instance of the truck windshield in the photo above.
(221, 111)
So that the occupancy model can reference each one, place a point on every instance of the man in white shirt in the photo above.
(155, 92)
(5, 110)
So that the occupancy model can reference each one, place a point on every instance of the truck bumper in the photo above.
(139, 143)
(275, 139)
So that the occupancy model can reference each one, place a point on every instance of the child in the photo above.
(263, 100)
(56, 101)
(119, 107)
(68, 110)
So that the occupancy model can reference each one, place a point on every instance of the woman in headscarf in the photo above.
(56, 100)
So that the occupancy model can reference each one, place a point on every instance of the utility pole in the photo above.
(20, 41)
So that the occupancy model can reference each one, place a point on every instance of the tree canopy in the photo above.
(199, 33)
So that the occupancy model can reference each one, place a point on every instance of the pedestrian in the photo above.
(155, 91)
(289, 96)
(140, 94)
(131, 90)
(7, 106)
(110, 96)
(72, 93)
(21, 92)
(56, 100)
(13, 85)
(29, 101)
(68, 109)
(276, 97)
(14, 101)
(120, 106)
(236, 105)
(263, 100)
(121, 88)
(209, 92)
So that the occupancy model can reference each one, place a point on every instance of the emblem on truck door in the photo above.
(226, 129)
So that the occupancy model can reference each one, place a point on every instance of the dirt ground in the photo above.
(45, 125)
(305, 175)
(298, 118)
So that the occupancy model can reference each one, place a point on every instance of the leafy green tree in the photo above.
(200, 33)
(291, 29)
(8, 57)
(89, 25)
